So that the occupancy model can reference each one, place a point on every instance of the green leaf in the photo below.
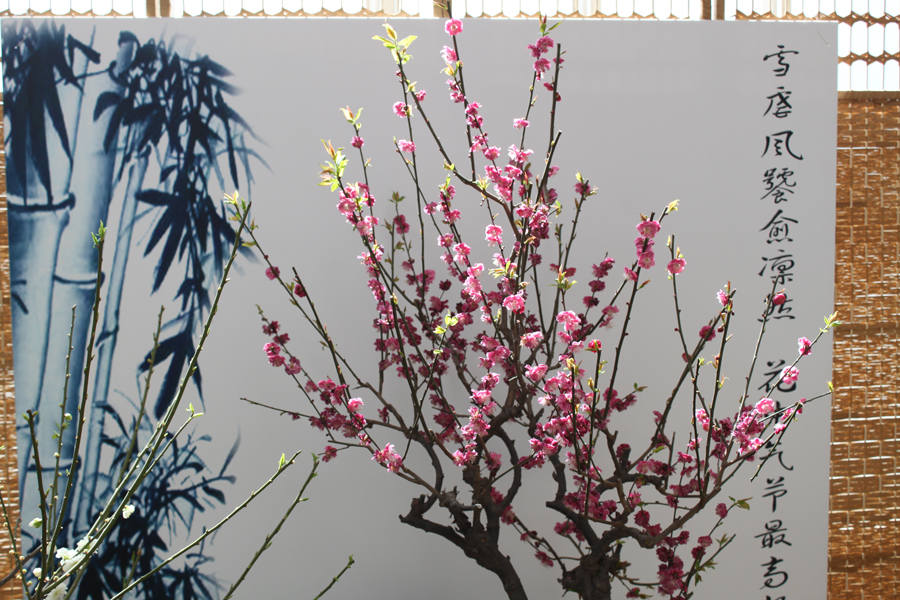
(741, 503)
(405, 42)
(390, 31)
(387, 43)
(281, 461)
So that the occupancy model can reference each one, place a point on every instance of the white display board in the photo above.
(737, 120)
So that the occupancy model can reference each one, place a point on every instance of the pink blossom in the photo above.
(722, 297)
(481, 396)
(721, 510)
(400, 224)
(532, 340)
(453, 27)
(401, 109)
(406, 146)
(329, 454)
(702, 418)
(602, 270)
(643, 244)
(805, 346)
(704, 541)
(519, 156)
(354, 404)
(541, 66)
(520, 123)
(544, 43)
(449, 56)
(648, 229)
(544, 558)
(492, 234)
(779, 299)
(493, 461)
(765, 406)
(388, 458)
(491, 153)
(646, 259)
(357, 142)
(346, 207)
(752, 446)
(790, 374)
(594, 346)
(461, 251)
(582, 189)
(708, 333)
(293, 366)
(367, 224)
(514, 303)
(273, 272)
(630, 275)
(273, 352)
(568, 320)
(464, 457)
(675, 266)
(420, 95)
(536, 372)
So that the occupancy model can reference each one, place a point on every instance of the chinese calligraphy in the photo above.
(780, 150)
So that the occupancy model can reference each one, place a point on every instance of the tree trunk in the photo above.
(590, 579)
(476, 541)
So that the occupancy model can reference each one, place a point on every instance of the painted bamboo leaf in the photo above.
(35, 59)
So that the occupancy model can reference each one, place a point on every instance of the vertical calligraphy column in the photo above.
(780, 193)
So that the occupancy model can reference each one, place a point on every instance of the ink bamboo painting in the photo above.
(104, 114)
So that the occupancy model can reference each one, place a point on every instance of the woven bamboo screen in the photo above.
(864, 528)
(868, 34)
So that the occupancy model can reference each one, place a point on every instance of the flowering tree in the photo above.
(541, 391)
